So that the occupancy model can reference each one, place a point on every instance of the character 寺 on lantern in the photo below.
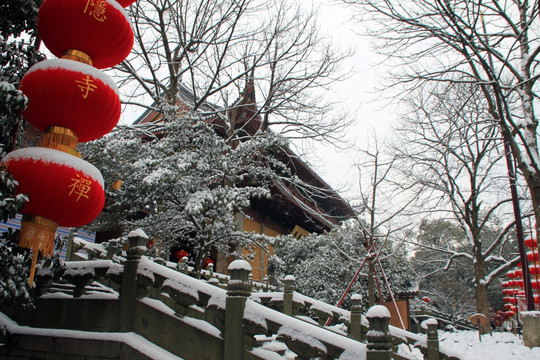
(72, 95)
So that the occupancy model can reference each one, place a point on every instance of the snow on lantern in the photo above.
(518, 273)
(72, 95)
(97, 32)
(60, 187)
(125, 3)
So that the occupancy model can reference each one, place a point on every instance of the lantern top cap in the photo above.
(75, 66)
(57, 157)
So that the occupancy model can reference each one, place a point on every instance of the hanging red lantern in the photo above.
(509, 313)
(536, 298)
(511, 274)
(534, 269)
(510, 300)
(180, 254)
(60, 187)
(518, 273)
(72, 95)
(519, 283)
(125, 3)
(532, 256)
(506, 284)
(96, 31)
(531, 243)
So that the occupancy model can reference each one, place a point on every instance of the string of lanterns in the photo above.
(513, 288)
(70, 100)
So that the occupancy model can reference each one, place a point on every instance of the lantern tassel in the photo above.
(37, 233)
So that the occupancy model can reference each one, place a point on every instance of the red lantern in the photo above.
(511, 274)
(100, 29)
(60, 187)
(511, 300)
(536, 298)
(518, 273)
(180, 254)
(535, 284)
(519, 283)
(72, 95)
(509, 313)
(534, 269)
(532, 256)
(506, 284)
(125, 3)
(531, 243)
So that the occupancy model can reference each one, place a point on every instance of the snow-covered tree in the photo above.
(452, 161)
(493, 44)
(324, 264)
(210, 47)
(18, 51)
(185, 184)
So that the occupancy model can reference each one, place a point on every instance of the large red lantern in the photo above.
(98, 31)
(72, 95)
(60, 186)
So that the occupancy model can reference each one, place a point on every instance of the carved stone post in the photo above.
(531, 328)
(356, 318)
(432, 339)
(238, 290)
(288, 288)
(378, 337)
(128, 295)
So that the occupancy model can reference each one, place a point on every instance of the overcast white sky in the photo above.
(358, 95)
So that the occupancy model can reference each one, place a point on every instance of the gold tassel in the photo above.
(37, 233)
(61, 138)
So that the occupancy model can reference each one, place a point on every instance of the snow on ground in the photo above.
(500, 346)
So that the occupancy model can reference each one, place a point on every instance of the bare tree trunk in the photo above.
(482, 302)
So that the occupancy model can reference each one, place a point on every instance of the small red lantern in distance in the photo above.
(73, 95)
(531, 243)
(511, 274)
(180, 254)
(532, 256)
(60, 187)
(98, 28)
(518, 273)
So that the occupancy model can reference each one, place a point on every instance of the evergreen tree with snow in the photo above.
(185, 184)
(324, 264)
(18, 51)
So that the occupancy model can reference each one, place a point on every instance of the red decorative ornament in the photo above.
(511, 274)
(536, 298)
(509, 313)
(72, 95)
(180, 254)
(510, 300)
(534, 269)
(506, 284)
(125, 3)
(518, 273)
(100, 29)
(531, 243)
(532, 256)
(60, 186)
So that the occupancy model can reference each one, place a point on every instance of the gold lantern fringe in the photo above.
(78, 55)
(37, 233)
(61, 138)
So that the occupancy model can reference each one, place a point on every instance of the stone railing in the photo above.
(198, 318)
